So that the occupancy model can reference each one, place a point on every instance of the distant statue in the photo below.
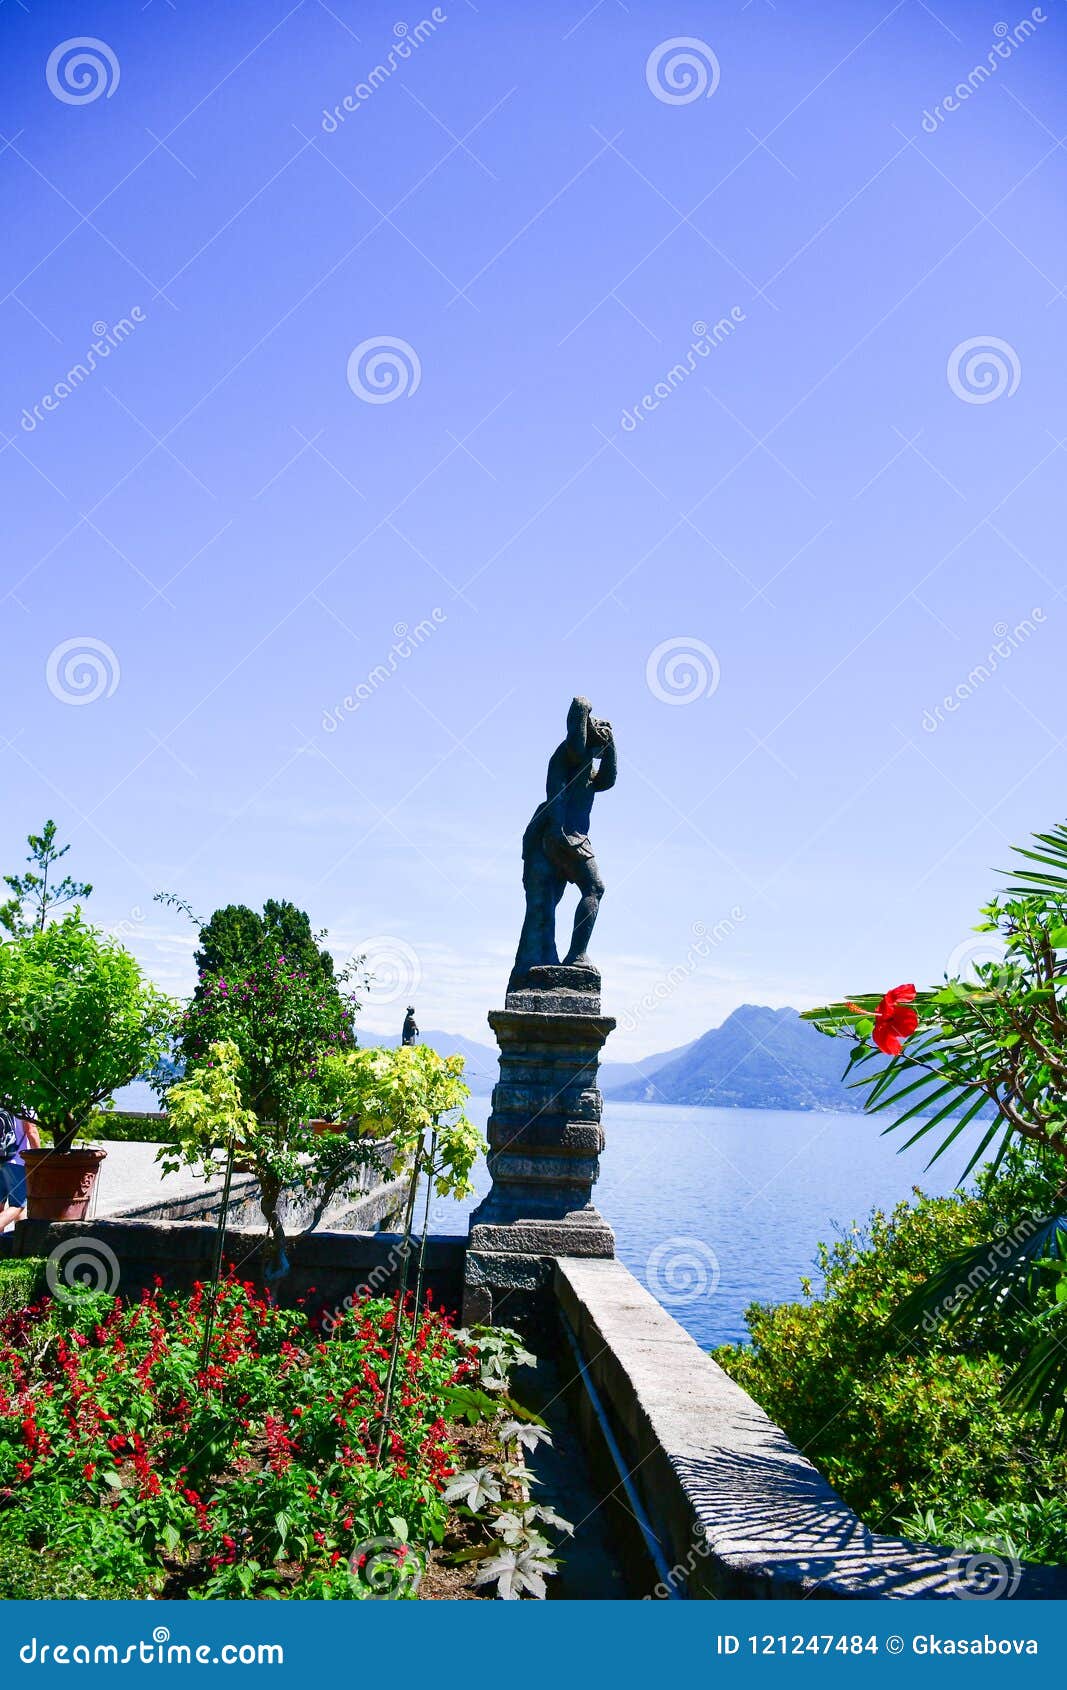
(555, 847)
(410, 1035)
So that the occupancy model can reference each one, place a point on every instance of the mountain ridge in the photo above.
(758, 1058)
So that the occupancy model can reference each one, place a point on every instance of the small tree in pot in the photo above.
(77, 1020)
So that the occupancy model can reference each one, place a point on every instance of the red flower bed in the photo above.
(258, 1474)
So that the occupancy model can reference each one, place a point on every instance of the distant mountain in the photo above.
(759, 1058)
(482, 1063)
(615, 1075)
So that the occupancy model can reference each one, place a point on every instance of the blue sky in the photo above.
(837, 509)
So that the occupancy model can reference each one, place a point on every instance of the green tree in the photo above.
(265, 982)
(413, 1098)
(38, 893)
(283, 1021)
(77, 1020)
(236, 937)
(208, 1111)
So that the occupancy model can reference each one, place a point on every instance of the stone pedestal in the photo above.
(545, 1140)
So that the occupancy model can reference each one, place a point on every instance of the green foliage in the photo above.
(1017, 1531)
(414, 1098)
(37, 893)
(903, 1421)
(992, 1045)
(20, 1280)
(513, 1553)
(254, 1476)
(264, 982)
(283, 1020)
(995, 1041)
(125, 1127)
(207, 1111)
(77, 1020)
(43, 1575)
(236, 940)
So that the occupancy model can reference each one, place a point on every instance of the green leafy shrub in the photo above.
(32, 1575)
(900, 1422)
(1020, 1531)
(124, 1128)
(20, 1281)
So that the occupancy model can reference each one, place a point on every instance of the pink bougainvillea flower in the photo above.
(894, 1020)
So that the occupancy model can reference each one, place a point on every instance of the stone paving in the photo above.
(131, 1176)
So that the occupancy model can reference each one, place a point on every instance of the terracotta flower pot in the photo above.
(321, 1128)
(59, 1183)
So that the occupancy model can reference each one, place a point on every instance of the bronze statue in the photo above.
(410, 1035)
(555, 847)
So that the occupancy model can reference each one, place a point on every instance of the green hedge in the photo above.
(131, 1129)
(34, 1575)
(21, 1282)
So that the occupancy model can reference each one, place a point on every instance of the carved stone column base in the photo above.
(545, 1140)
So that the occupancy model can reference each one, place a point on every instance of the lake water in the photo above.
(714, 1209)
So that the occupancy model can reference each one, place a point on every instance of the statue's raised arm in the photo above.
(555, 847)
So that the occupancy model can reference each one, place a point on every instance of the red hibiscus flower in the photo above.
(894, 1020)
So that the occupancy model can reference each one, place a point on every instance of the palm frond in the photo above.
(1041, 1382)
(1052, 885)
(977, 1280)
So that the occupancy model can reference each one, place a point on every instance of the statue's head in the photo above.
(411, 1009)
(598, 734)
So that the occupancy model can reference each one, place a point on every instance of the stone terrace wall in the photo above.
(736, 1509)
(326, 1267)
